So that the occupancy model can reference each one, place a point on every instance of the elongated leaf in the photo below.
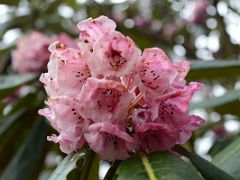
(112, 170)
(25, 160)
(16, 22)
(52, 6)
(220, 144)
(94, 169)
(7, 122)
(6, 49)
(10, 2)
(20, 128)
(216, 64)
(9, 83)
(69, 166)
(214, 69)
(2, 106)
(91, 165)
(29, 101)
(208, 170)
(230, 96)
(206, 127)
(164, 167)
(229, 159)
(5, 57)
(227, 103)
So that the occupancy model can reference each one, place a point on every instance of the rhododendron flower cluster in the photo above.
(32, 53)
(199, 13)
(119, 101)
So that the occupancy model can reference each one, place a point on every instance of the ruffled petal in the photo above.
(155, 137)
(104, 100)
(67, 71)
(65, 118)
(110, 141)
(156, 72)
(113, 54)
(93, 29)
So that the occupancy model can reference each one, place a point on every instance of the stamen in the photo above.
(135, 102)
(129, 82)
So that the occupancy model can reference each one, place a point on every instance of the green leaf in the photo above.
(2, 106)
(163, 166)
(10, 2)
(70, 164)
(29, 101)
(228, 97)
(23, 163)
(112, 170)
(220, 144)
(227, 103)
(206, 168)
(7, 122)
(94, 169)
(5, 57)
(229, 159)
(216, 64)
(52, 6)
(214, 69)
(17, 22)
(206, 127)
(9, 83)
(7, 49)
(20, 126)
(91, 165)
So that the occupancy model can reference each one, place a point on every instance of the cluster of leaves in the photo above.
(23, 145)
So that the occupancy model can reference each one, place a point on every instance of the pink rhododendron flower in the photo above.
(67, 71)
(199, 13)
(220, 132)
(115, 99)
(171, 28)
(118, 15)
(32, 53)
(141, 21)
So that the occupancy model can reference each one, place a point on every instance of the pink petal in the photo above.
(71, 75)
(65, 118)
(172, 116)
(113, 54)
(104, 100)
(109, 141)
(67, 71)
(155, 137)
(93, 29)
(185, 95)
(70, 42)
(66, 146)
(156, 72)
(182, 68)
(186, 131)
